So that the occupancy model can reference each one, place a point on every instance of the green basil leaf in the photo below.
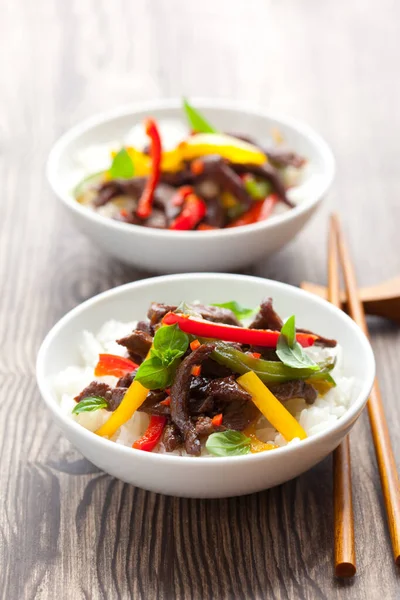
(89, 404)
(170, 343)
(153, 375)
(289, 350)
(228, 443)
(122, 166)
(289, 330)
(256, 188)
(238, 310)
(196, 121)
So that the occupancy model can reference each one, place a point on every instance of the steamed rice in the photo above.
(68, 383)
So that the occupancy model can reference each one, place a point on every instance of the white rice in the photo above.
(68, 383)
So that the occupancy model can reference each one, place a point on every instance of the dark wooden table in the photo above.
(68, 531)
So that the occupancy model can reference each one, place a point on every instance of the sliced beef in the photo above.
(227, 390)
(269, 173)
(321, 341)
(113, 396)
(179, 178)
(180, 393)
(162, 200)
(211, 369)
(238, 416)
(144, 326)
(267, 318)
(172, 437)
(294, 389)
(96, 388)
(109, 190)
(198, 406)
(204, 426)
(157, 312)
(152, 405)
(138, 344)
(126, 380)
(214, 168)
(216, 314)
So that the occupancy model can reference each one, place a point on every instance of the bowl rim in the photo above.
(172, 104)
(346, 420)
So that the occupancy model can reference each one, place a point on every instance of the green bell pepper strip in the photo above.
(269, 371)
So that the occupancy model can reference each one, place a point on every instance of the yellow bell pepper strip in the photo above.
(133, 399)
(226, 146)
(171, 161)
(271, 408)
(257, 445)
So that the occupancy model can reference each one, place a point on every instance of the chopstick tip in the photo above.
(345, 569)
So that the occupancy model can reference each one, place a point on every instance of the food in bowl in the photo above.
(205, 380)
(206, 180)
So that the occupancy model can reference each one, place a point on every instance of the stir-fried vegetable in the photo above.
(110, 364)
(149, 440)
(271, 408)
(89, 404)
(122, 166)
(269, 371)
(260, 211)
(133, 399)
(197, 122)
(230, 333)
(194, 210)
(158, 370)
(145, 202)
(228, 443)
(226, 146)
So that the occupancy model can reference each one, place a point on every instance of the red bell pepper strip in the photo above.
(230, 333)
(110, 364)
(146, 200)
(194, 210)
(181, 194)
(151, 436)
(260, 211)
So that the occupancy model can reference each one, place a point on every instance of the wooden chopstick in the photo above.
(380, 432)
(345, 556)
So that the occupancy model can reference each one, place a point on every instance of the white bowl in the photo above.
(171, 251)
(204, 477)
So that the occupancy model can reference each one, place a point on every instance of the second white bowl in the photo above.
(205, 477)
(171, 251)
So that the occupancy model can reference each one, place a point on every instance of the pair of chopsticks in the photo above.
(345, 559)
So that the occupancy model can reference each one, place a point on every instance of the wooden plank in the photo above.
(66, 529)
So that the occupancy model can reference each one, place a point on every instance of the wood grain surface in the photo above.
(67, 530)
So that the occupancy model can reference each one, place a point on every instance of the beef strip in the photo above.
(267, 172)
(238, 416)
(157, 312)
(109, 190)
(198, 406)
(294, 389)
(162, 199)
(152, 405)
(96, 388)
(279, 157)
(138, 344)
(321, 341)
(215, 216)
(144, 326)
(213, 167)
(172, 437)
(180, 391)
(267, 318)
(113, 396)
(179, 178)
(204, 425)
(126, 380)
(213, 370)
(226, 389)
